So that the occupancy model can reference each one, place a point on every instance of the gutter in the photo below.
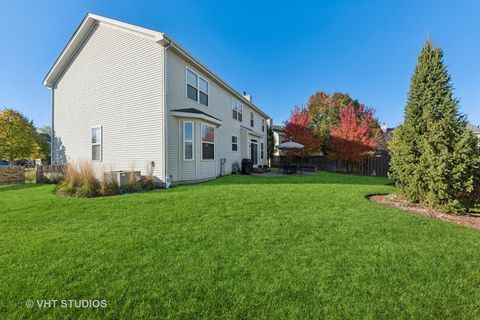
(166, 41)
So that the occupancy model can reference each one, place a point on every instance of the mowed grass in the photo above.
(240, 247)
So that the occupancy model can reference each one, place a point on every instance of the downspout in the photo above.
(52, 137)
(167, 180)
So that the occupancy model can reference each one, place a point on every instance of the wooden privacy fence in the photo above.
(12, 175)
(374, 165)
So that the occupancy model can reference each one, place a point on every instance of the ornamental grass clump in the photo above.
(81, 181)
(148, 183)
(89, 185)
(109, 185)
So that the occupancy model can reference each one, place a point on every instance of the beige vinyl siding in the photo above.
(220, 102)
(114, 81)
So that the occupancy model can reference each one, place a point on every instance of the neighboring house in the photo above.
(475, 130)
(126, 96)
(278, 137)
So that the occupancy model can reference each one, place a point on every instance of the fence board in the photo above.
(375, 165)
(15, 175)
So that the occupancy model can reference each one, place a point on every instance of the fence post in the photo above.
(38, 173)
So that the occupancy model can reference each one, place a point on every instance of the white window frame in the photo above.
(187, 69)
(262, 150)
(252, 119)
(236, 143)
(192, 141)
(202, 142)
(237, 106)
(263, 125)
(96, 143)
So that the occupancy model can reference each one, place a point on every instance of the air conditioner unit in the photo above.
(122, 177)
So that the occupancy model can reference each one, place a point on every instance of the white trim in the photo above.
(214, 141)
(251, 119)
(192, 140)
(197, 87)
(238, 106)
(96, 143)
(231, 143)
(256, 142)
(196, 116)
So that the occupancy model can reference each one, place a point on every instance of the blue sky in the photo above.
(280, 52)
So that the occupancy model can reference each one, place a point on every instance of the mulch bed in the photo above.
(471, 220)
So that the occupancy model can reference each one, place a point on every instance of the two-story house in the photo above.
(126, 96)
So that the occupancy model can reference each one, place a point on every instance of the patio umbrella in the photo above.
(290, 145)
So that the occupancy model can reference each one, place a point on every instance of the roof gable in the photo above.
(161, 38)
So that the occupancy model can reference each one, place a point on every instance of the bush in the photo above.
(148, 183)
(109, 186)
(81, 181)
(30, 176)
(52, 177)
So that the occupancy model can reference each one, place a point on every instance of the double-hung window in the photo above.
(188, 129)
(261, 150)
(197, 88)
(252, 119)
(208, 142)
(234, 143)
(237, 110)
(203, 98)
(96, 141)
(263, 125)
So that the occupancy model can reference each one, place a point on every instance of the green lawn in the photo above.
(239, 247)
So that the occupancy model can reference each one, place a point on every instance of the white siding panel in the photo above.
(115, 80)
(220, 102)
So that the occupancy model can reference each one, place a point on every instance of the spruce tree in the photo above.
(435, 158)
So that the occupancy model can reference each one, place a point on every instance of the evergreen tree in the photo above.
(270, 143)
(435, 159)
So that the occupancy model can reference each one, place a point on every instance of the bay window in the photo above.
(208, 142)
(188, 140)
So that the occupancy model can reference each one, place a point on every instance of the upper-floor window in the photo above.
(197, 88)
(208, 142)
(263, 125)
(96, 141)
(252, 119)
(237, 110)
(188, 140)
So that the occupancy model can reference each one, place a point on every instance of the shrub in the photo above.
(148, 182)
(79, 181)
(30, 176)
(89, 182)
(133, 185)
(52, 177)
(109, 185)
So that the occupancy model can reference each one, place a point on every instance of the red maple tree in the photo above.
(298, 129)
(353, 135)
